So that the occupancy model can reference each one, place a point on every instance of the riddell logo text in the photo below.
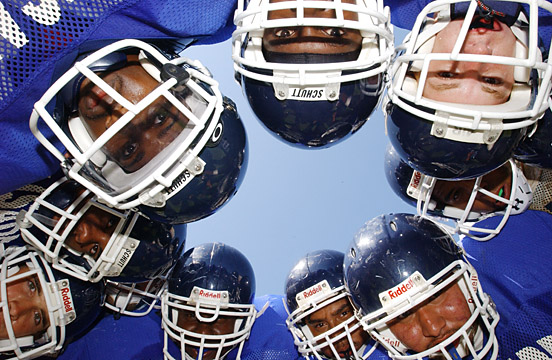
(416, 179)
(311, 292)
(393, 294)
(67, 302)
(209, 294)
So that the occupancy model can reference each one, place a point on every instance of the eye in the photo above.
(129, 150)
(456, 195)
(160, 117)
(94, 250)
(446, 74)
(344, 313)
(320, 325)
(110, 223)
(32, 286)
(283, 33)
(37, 318)
(492, 81)
(334, 32)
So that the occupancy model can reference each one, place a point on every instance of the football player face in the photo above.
(147, 134)
(310, 39)
(92, 232)
(457, 193)
(27, 307)
(330, 316)
(433, 321)
(221, 326)
(472, 82)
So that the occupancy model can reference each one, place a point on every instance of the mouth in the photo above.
(94, 101)
(480, 23)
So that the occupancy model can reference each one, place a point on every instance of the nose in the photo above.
(308, 31)
(477, 44)
(431, 322)
(17, 308)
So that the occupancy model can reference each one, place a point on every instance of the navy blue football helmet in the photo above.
(142, 130)
(315, 282)
(210, 283)
(64, 307)
(399, 263)
(312, 100)
(90, 241)
(445, 135)
(536, 149)
(417, 190)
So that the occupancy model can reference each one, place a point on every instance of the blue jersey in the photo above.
(141, 338)
(514, 268)
(404, 12)
(40, 40)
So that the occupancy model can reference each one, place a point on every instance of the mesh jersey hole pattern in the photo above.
(529, 336)
(33, 34)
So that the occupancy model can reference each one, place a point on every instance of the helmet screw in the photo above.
(195, 291)
(224, 296)
(133, 245)
(439, 131)
(64, 283)
(197, 167)
(332, 94)
(490, 139)
(281, 93)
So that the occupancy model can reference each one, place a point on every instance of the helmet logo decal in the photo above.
(413, 189)
(402, 291)
(67, 300)
(200, 295)
(314, 293)
(123, 258)
(307, 94)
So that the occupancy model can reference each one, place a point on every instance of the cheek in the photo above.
(408, 332)
(457, 311)
(359, 336)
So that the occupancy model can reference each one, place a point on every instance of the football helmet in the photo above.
(314, 282)
(417, 189)
(210, 283)
(312, 99)
(395, 266)
(139, 128)
(67, 306)
(536, 149)
(134, 299)
(439, 135)
(69, 225)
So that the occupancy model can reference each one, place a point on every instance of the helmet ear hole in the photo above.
(393, 226)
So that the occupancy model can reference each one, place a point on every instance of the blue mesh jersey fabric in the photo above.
(514, 269)
(40, 40)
